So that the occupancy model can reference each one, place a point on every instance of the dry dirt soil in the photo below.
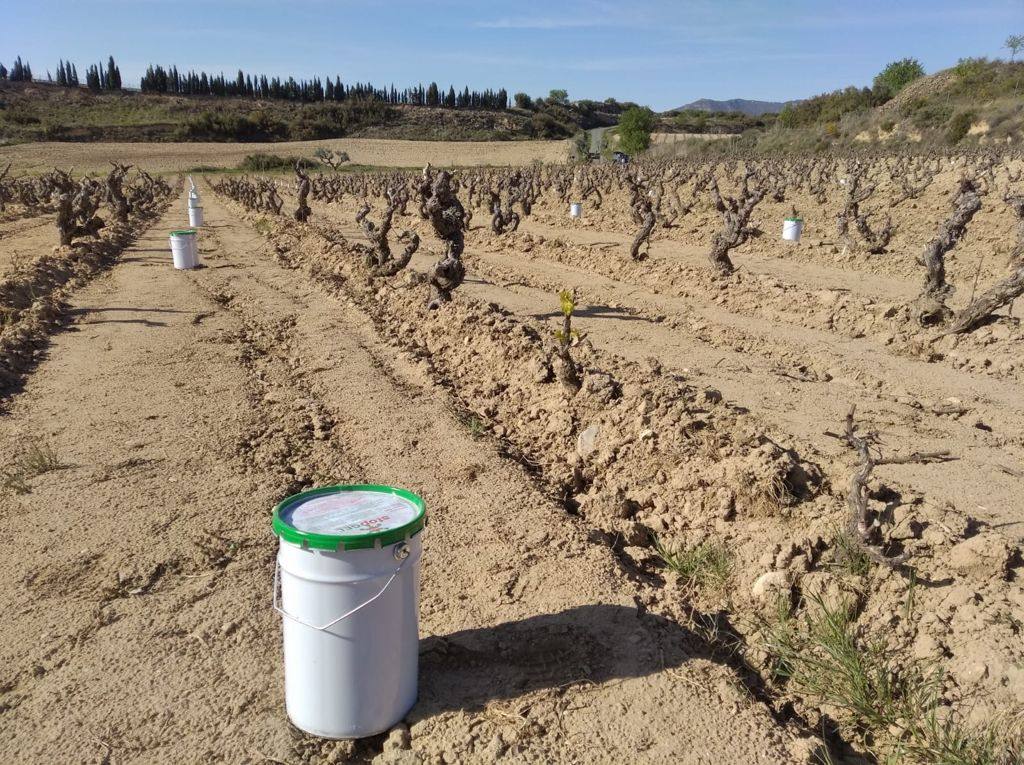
(181, 406)
(178, 157)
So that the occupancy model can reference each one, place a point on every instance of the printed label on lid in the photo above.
(351, 513)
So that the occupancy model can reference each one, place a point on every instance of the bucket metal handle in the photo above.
(401, 553)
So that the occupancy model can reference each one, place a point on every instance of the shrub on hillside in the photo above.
(19, 116)
(523, 101)
(334, 120)
(982, 79)
(558, 96)
(923, 113)
(898, 75)
(227, 126)
(543, 125)
(830, 107)
(959, 126)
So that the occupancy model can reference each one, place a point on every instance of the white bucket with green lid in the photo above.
(347, 585)
(184, 251)
(792, 228)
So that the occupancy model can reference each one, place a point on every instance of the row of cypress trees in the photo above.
(97, 76)
(18, 72)
(157, 79)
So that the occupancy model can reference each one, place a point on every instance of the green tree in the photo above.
(523, 101)
(92, 78)
(559, 96)
(635, 128)
(899, 74)
(1015, 44)
(113, 78)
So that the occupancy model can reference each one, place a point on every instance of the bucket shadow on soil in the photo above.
(466, 670)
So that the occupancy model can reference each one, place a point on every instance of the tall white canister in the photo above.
(195, 216)
(348, 574)
(184, 252)
(792, 229)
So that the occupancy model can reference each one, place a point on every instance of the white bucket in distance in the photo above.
(348, 571)
(184, 253)
(195, 216)
(194, 201)
(792, 228)
(575, 210)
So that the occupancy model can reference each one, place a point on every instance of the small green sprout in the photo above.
(567, 371)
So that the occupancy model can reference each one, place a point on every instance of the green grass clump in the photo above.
(894, 703)
(262, 163)
(704, 566)
(850, 556)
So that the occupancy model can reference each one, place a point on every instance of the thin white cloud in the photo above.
(540, 23)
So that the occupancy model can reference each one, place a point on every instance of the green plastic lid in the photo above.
(794, 220)
(184, 232)
(350, 517)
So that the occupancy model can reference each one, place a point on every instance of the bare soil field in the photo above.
(640, 545)
(179, 157)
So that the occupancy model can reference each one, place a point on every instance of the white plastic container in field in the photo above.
(575, 210)
(792, 229)
(184, 251)
(195, 216)
(348, 572)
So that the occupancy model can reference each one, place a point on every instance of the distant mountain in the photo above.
(742, 105)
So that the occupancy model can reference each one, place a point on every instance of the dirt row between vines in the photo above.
(768, 481)
(179, 407)
(802, 380)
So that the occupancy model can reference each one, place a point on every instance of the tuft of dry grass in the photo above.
(763, 496)
(38, 458)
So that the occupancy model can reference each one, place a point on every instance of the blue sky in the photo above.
(654, 52)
